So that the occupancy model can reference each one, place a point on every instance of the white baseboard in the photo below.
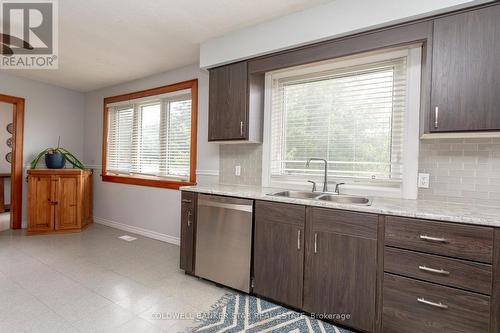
(139, 231)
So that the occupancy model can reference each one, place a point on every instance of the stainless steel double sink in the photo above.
(331, 197)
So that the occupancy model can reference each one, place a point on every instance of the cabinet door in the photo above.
(341, 266)
(279, 252)
(465, 72)
(67, 207)
(41, 194)
(188, 231)
(228, 101)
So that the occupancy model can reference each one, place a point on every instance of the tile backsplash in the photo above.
(248, 156)
(461, 170)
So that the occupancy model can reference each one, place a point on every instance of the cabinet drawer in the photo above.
(453, 240)
(451, 272)
(280, 213)
(187, 199)
(411, 306)
(344, 222)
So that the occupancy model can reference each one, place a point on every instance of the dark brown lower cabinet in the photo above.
(415, 306)
(341, 266)
(279, 252)
(188, 231)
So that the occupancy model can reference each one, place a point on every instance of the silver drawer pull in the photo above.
(186, 201)
(433, 239)
(298, 239)
(315, 242)
(434, 304)
(433, 270)
(436, 117)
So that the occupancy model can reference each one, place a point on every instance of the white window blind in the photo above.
(353, 117)
(151, 138)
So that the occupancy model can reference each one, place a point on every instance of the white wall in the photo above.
(140, 208)
(50, 111)
(331, 20)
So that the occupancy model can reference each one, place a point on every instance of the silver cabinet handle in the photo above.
(433, 239)
(189, 222)
(436, 117)
(433, 270)
(241, 128)
(298, 239)
(316, 242)
(434, 304)
(186, 201)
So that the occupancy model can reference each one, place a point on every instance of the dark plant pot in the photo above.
(55, 161)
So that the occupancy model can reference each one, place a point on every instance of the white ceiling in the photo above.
(106, 42)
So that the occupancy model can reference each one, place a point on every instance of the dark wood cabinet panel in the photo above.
(188, 231)
(414, 306)
(341, 268)
(280, 213)
(228, 102)
(344, 46)
(466, 71)
(495, 292)
(448, 239)
(346, 222)
(458, 273)
(279, 252)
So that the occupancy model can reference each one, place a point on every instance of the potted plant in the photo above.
(55, 158)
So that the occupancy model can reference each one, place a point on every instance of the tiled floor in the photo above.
(93, 281)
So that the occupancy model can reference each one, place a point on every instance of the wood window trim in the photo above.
(16, 190)
(153, 181)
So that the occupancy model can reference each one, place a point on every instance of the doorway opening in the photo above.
(11, 161)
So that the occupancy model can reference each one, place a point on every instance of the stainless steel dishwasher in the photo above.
(224, 240)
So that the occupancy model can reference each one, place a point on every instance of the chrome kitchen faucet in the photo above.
(325, 183)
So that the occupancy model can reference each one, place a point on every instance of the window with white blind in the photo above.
(150, 138)
(352, 112)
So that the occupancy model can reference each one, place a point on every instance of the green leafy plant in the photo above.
(68, 156)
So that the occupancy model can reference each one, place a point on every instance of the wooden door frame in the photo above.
(16, 183)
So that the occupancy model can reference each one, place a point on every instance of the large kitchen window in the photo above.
(352, 112)
(150, 137)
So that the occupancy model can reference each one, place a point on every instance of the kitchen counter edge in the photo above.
(422, 209)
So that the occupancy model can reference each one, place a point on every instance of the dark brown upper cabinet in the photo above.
(465, 92)
(341, 265)
(279, 252)
(188, 231)
(236, 104)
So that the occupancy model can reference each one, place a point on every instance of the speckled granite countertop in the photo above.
(425, 209)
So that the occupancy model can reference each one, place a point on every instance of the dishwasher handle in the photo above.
(217, 204)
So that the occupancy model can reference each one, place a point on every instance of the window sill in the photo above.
(150, 181)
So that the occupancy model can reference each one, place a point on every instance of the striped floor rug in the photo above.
(243, 313)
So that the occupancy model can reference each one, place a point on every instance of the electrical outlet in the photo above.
(423, 180)
(237, 170)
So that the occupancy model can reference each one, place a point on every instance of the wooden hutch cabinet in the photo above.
(59, 200)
